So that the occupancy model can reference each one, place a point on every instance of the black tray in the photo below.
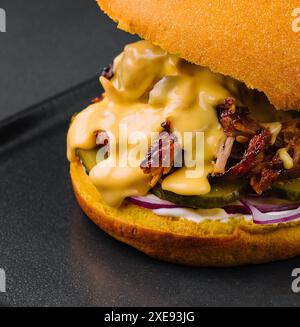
(53, 255)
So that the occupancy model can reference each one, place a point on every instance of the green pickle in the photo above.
(88, 158)
(289, 189)
(220, 195)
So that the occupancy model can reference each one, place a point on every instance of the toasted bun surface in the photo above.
(181, 241)
(252, 41)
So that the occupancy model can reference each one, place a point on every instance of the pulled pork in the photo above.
(162, 155)
(258, 160)
(108, 72)
(102, 138)
(236, 122)
(247, 151)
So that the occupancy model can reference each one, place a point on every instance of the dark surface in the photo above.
(53, 255)
(51, 45)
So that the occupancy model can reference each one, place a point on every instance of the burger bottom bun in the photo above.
(211, 243)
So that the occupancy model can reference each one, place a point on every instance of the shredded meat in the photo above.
(244, 130)
(102, 138)
(108, 72)
(97, 99)
(162, 155)
(260, 162)
(252, 157)
(291, 139)
(236, 122)
(223, 155)
(247, 150)
(269, 172)
(102, 142)
(273, 169)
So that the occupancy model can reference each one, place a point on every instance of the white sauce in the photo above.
(194, 215)
(200, 215)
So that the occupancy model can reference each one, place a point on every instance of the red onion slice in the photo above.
(263, 213)
(237, 209)
(265, 205)
(151, 202)
(272, 217)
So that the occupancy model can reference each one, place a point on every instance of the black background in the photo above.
(51, 45)
(53, 255)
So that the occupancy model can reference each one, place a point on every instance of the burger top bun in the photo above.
(252, 41)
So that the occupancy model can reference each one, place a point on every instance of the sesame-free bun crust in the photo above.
(251, 41)
(180, 241)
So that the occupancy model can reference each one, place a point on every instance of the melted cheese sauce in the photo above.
(179, 183)
(150, 86)
(287, 160)
(275, 129)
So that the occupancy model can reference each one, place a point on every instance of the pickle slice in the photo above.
(289, 189)
(220, 195)
(88, 158)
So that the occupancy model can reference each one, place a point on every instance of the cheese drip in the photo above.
(150, 86)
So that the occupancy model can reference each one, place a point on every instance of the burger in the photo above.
(192, 152)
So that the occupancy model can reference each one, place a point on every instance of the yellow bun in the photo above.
(181, 241)
(252, 41)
